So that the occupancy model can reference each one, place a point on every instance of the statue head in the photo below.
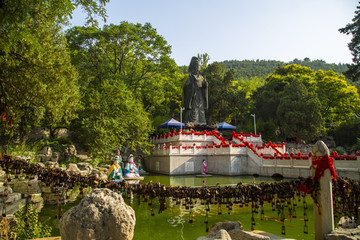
(194, 67)
(117, 159)
(131, 158)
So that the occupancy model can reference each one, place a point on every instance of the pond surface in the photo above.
(174, 224)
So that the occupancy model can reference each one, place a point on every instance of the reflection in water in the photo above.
(174, 224)
(189, 180)
(175, 221)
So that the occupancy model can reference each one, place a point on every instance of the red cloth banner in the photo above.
(323, 163)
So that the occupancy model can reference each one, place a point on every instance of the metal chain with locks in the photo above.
(281, 195)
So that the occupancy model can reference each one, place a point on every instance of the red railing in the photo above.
(240, 136)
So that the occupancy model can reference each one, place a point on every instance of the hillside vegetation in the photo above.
(262, 68)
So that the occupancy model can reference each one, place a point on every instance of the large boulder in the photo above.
(38, 133)
(102, 214)
(231, 231)
(27, 186)
(70, 150)
(221, 234)
(73, 168)
(226, 225)
(340, 233)
(55, 157)
(220, 231)
(62, 133)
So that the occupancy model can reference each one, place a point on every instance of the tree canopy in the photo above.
(247, 69)
(38, 82)
(112, 85)
(299, 112)
(354, 46)
(134, 53)
(126, 78)
(339, 100)
(228, 100)
(288, 94)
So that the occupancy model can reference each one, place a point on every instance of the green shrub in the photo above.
(29, 226)
(14, 149)
(356, 147)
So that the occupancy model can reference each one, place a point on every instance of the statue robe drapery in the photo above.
(131, 170)
(115, 172)
(195, 95)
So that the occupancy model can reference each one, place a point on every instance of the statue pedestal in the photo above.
(138, 178)
(201, 128)
(182, 153)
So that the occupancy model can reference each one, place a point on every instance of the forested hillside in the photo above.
(262, 68)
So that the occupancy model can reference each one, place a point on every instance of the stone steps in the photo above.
(12, 203)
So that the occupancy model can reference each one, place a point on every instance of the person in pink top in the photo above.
(204, 167)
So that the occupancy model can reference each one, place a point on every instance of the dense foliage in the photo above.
(127, 78)
(228, 100)
(298, 101)
(28, 224)
(347, 134)
(113, 85)
(354, 46)
(37, 81)
(262, 68)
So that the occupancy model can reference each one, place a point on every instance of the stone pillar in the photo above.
(324, 221)
(323, 214)
(284, 148)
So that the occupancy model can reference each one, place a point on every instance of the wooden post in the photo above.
(323, 213)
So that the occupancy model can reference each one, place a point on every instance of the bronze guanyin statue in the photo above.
(195, 95)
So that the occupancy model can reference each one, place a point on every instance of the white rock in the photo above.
(102, 214)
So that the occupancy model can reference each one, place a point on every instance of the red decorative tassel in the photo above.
(323, 163)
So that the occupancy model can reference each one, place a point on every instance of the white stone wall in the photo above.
(183, 154)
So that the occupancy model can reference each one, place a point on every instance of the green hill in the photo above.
(262, 68)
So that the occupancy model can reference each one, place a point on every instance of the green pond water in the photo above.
(174, 224)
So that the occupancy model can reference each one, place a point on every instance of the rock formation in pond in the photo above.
(102, 214)
(231, 231)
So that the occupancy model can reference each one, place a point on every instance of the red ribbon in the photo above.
(323, 163)
(304, 188)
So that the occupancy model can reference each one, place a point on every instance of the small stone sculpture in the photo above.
(131, 170)
(115, 171)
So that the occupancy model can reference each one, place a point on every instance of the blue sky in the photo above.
(242, 29)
